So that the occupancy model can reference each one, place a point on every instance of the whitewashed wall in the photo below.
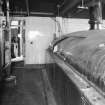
(73, 25)
(69, 25)
(39, 34)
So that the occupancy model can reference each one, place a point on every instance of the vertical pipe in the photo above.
(98, 14)
(21, 41)
(9, 78)
(27, 6)
(95, 12)
(9, 35)
(92, 18)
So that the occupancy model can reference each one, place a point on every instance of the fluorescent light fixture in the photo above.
(82, 7)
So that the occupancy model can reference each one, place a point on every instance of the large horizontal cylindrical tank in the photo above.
(86, 52)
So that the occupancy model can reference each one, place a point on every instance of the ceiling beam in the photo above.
(27, 7)
(69, 6)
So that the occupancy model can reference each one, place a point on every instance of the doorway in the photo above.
(17, 39)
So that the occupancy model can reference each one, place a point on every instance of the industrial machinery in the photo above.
(82, 57)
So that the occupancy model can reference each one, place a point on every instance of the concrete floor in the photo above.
(28, 90)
